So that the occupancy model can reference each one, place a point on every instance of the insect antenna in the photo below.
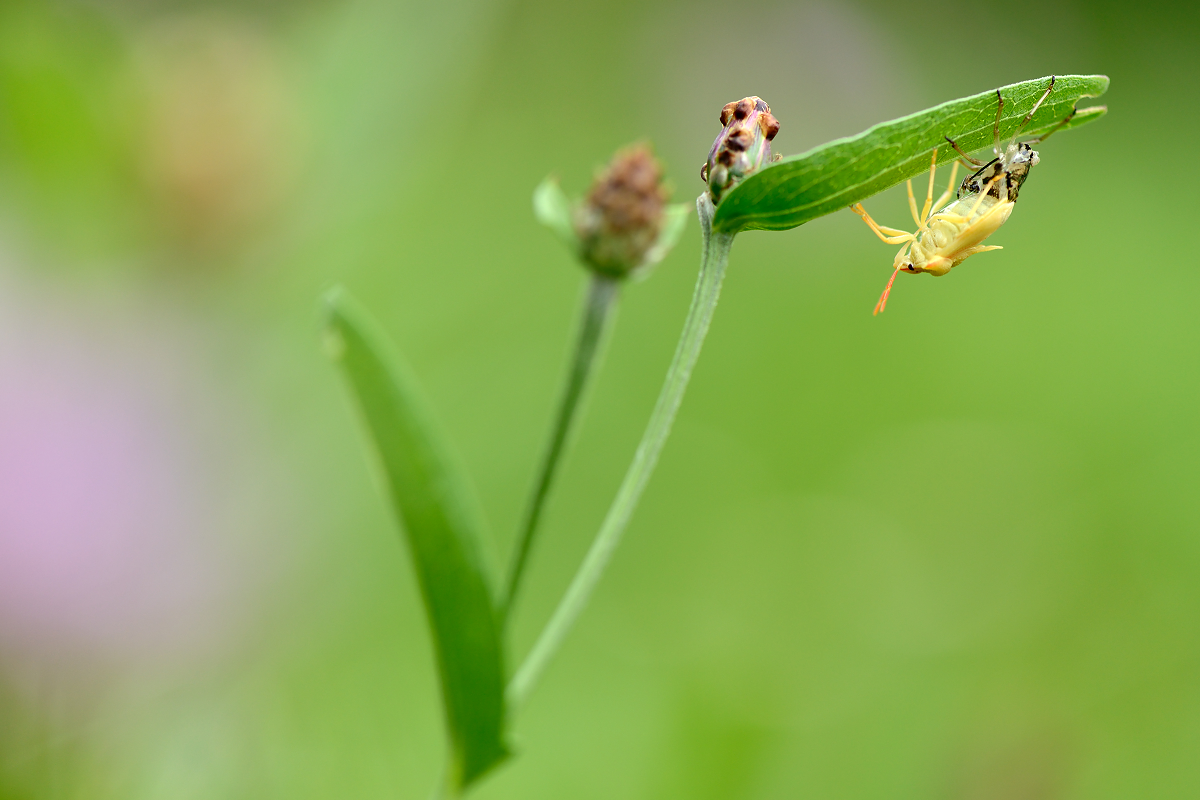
(882, 304)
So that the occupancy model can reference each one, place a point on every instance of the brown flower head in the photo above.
(619, 221)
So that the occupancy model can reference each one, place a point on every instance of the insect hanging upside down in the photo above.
(984, 201)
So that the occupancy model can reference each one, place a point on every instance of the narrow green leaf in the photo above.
(443, 530)
(843, 172)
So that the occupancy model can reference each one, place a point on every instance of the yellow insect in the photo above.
(984, 201)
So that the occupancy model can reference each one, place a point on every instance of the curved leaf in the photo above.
(442, 528)
(843, 172)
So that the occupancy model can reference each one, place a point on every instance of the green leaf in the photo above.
(443, 530)
(843, 172)
(674, 221)
(552, 208)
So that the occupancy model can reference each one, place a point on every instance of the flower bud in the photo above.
(619, 221)
(743, 146)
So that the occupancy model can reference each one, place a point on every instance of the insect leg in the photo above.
(969, 218)
(897, 237)
(929, 192)
(1033, 110)
(973, 163)
(941, 201)
(970, 251)
(912, 205)
(986, 189)
(1046, 136)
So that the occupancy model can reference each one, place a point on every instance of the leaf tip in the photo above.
(549, 202)
(333, 343)
(333, 295)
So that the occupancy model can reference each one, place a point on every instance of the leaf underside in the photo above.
(443, 530)
(843, 172)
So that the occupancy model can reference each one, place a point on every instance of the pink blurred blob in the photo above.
(115, 543)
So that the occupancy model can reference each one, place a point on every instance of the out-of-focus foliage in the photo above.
(950, 551)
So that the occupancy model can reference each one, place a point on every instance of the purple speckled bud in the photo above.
(743, 146)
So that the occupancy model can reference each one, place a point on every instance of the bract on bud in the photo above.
(619, 220)
(743, 146)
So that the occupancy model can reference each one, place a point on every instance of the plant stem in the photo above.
(599, 303)
(713, 259)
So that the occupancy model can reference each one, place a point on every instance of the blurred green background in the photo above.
(949, 552)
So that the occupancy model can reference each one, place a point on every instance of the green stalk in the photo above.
(713, 259)
(599, 304)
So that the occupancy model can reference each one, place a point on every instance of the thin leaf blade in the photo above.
(443, 531)
(845, 171)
